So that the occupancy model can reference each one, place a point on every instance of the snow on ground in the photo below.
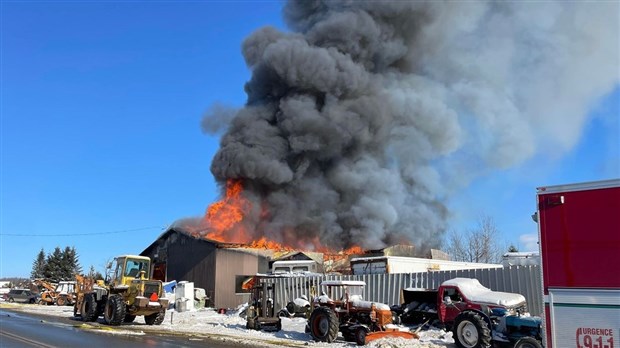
(207, 323)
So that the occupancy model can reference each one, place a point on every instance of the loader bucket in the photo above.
(371, 336)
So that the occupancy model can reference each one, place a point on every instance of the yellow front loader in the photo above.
(129, 293)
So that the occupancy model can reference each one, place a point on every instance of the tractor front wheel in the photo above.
(360, 336)
(324, 325)
(528, 342)
(471, 331)
(114, 310)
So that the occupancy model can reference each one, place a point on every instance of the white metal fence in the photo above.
(386, 288)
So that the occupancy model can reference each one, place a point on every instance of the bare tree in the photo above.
(480, 244)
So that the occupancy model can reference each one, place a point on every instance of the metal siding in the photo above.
(229, 264)
(186, 258)
(386, 288)
(189, 259)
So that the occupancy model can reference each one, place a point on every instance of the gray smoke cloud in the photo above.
(357, 117)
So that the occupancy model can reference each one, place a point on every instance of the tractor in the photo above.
(358, 320)
(61, 294)
(65, 291)
(129, 293)
(49, 294)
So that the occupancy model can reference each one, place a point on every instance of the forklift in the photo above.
(261, 314)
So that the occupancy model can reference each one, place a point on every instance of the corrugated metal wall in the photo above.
(191, 260)
(386, 288)
(229, 264)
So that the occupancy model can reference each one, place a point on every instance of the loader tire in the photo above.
(155, 318)
(114, 312)
(129, 318)
(61, 301)
(89, 308)
(528, 342)
(471, 331)
(323, 325)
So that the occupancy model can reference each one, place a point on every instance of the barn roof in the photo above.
(172, 230)
(239, 247)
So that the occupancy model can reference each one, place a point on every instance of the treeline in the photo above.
(56, 266)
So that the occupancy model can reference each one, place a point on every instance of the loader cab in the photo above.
(128, 268)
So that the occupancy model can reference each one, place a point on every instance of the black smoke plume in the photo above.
(361, 120)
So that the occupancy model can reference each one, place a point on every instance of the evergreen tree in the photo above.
(92, 273)
(69, 264)
(53, 266)
(38, 266)
(512, 249)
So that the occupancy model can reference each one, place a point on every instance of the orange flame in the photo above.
(225, 224)
(227, 214)
(264, 243)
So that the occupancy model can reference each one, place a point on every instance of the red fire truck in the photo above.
(579, 231)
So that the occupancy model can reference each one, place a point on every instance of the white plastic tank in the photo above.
(185, 292)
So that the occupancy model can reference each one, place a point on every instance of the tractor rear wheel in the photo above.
(471, 331)
(155, 318)
(528, 342)
(89, 308)
(114, 310)
(324, 325)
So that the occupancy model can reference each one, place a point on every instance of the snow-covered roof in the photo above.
(476, 292)
(343, 283)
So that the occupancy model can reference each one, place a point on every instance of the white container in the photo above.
(185, 290)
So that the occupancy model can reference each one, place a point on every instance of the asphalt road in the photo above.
(24, 330)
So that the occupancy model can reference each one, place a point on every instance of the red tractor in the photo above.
(358, 320)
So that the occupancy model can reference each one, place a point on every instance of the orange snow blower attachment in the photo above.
(389, 332)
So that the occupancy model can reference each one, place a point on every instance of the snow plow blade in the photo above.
(371, 336)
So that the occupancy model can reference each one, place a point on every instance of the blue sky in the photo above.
(100, 124)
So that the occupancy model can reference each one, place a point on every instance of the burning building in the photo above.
(220, 267)
(212, 265)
